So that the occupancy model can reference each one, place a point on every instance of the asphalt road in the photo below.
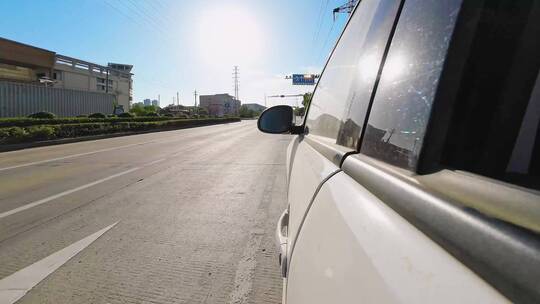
(194, 209)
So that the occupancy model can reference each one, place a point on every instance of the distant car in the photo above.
(414, 177)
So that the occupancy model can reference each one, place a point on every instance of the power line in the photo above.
(157, 9)
(120, 12)
(327, 37)
(142, 12)
(134, 8)
(320, 19)
(154, 20)
(141, 21)
(347, 7)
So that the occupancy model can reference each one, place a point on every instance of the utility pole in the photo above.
(197, 109)
(236, 77)
(178, 98)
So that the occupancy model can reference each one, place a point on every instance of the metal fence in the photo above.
(21, 99)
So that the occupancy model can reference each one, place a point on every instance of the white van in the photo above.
(415, 175)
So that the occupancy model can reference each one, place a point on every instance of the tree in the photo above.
(307, 99)
(151, 109)
(299, 111)
(137, 109)
(203, 111)
(245, 112)
(141, 110)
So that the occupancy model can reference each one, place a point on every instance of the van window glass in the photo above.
(495, 126)
(350, 74)
(401, 108)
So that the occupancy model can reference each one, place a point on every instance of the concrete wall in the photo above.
(22, 99)
(122, 87)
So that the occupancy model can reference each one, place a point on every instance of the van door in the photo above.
(330, 132)
(379, 232)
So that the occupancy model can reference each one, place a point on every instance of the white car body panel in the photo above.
(353, 248)
(308, 170)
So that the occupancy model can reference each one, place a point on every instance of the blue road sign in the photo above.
(303, 79)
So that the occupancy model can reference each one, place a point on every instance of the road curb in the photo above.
(21, 146)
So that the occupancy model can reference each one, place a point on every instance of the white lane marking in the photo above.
(155, 162)
(53, 197)
(15, 286)
(70, 156)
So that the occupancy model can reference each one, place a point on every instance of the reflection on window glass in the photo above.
(409, 80)
(349, 77)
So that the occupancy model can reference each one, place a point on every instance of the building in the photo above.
(21, 62)
(25, 64)
(155, 103)
(71, 73)
(255, 107)
(220, 104)
(147, 102)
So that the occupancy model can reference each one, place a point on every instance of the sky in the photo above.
(183, 46)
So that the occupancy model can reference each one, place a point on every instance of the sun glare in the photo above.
(229, 36)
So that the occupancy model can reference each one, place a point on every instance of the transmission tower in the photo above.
(345, 8)
(236, 77)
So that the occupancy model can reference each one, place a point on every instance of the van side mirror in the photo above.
(278, 120)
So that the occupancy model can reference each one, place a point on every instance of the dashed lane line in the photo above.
(82, 154)
(69, 156)
(64, 193)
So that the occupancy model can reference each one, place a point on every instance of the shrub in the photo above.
(125, 115)
(111, 116)
(17, 133)
(41, 132)
(13, 135)
(97, 115)
(152, 114)
(74, 128)
(42, 115)
(26, 122)
(4, 133)
(82, 116)
(168, 115)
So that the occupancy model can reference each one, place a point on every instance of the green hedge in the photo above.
(44, 132)
(25, 122)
